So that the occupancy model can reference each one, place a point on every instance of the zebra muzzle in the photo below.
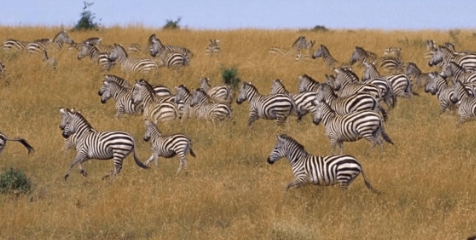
(269, 161)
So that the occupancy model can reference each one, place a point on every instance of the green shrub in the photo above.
(86, 22)
(170, 24)
(14, 181)
(230, 77)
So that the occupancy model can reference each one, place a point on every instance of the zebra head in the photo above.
(322, 112)
(151, 130)
(138, 92)
(204, 83)
(155, 45)
(285, 147)
(117, 52)
(431, 86)
(319, 52)
(437, 57)
(84, 50)
(357, 55)
(66, 118)
(459, 92)
(105, 91)
(247, 91)
(183, 94)
(412, 69)
(198, 96)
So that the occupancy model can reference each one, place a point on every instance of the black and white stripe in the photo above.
(307, 84)
(302, 45)
(4, 139)
(221, 94)
(304, 102)
(346, 83)
(420, 79)
(443, 56)
(93, 144)
(205, 108)
(167, 146)
(400, 83)
(317, 170)
(157, 109)
(15, 45)
(466, 102)
(95, 55)
(170, 56)
(323, 52)
(47, 44)
(121, 95)
(350, 127)
(275, 107)
(437, 85)
(361, 55)
(213, 48)
(143, 65)
(452, 69)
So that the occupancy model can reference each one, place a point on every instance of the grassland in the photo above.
(230, 191)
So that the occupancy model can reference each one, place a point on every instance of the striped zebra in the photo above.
(95, 55)
(443, 56)
(167, 146)
(47, 44)
(159, 90)
(346, 83)
(121, 81)
(437, 85)
(49, 62)
(301, 44)
(304, 102)
(354, 103)
(213, 48)
(400, 83)
(420, 79)
(157, 109)
(170, 56)
(221, 94)
(143, 65)
(391, 61)
(361, 55)
(350, 127)
(134, 48)
(4, 139)
(206, 109)
(274, 107)
(452, 69)
(184, 97)
(93, 144)
(466, 102)
(16, 45)
(307, 84)
(317, 170)
(323, 52)
(121, 95)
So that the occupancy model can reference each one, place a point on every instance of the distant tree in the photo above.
(86, 22)
(318, 28)
(170, 24)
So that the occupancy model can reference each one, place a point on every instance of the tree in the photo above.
(170, 24)
(86, 22)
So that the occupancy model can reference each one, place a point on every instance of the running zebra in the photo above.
(452, 69)
(16, 45)
(121, 95)
(351, 127)
(420, 79)
(184, 97)
(4, 139)
(400, 83)
(439, 86)
(391, 60)
(323, 52)
(213, 48)
(95, 55)
(206, 109)
(170, 56)
(301, 44)
(159, 90)
(47, 44)
(354, 103)
(346, 83)
(221, 94)
(466, 102)
(277, 106)
(93, 144)
(154, 108)
(143, 65)
(317, 170)
(307, 84)
(360, 55)
(443, 56)
(304, 102)
(167, 146)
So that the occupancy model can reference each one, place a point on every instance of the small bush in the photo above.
(170, 24)
(230, 77)
(319, 28)
(86, 22)
(14, 181)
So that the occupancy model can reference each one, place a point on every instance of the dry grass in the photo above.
(230, 191)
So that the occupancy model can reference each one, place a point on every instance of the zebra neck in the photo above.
(296, 156)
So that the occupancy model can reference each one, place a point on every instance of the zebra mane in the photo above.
(184, 88)
(60, 34)
(152, 39)
(352, 74)
(291, 140)
(42, 40)
(122, 49)
(251, 86)
(81, 117)
(120, 81)
(300, 38)
(147, 85)
(309, 78)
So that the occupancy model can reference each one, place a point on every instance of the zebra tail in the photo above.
(367, 183)
(25, 143)
(192, 152)
(384, 113)
(386, 137)
(393, 96)
(138, 162)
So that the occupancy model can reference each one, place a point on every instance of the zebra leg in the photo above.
(183, 163)
(299, 182)
(82, 171)
(253, 117)
(78, 159)
(152, 158)
(117, 168)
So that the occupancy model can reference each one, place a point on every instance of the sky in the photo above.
(258, 14)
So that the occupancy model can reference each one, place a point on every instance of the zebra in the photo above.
(391, 60)
(134, 48)
(303, 101)
(317, 170)
(361, 55)
(215, 112)
(307, 84)
(437, 85)
(213, 47)
(400, 83)
(301, 44)
(95, 55)
(93, 144)
(167, 146)
(323, 52)
(222, 94)
(122, 96)
(170, 56)
(154, 108)
(159, 90)
(466, 102)
(350, 104)
(13, 44)
(452, 69)
(442, 56)
(49, 62)
(420, 78)
(143, 65)
(4, 139)
(346, 83)
(277, 106)
(183, 96)
(57, 43)
(350, 127)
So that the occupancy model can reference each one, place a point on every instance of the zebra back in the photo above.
(361, 55)
(307, 84)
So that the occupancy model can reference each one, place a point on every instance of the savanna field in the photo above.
(230, 191)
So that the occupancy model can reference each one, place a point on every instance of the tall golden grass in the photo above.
(230, 191)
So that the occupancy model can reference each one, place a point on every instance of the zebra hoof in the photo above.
(84, 173)
(66, 177)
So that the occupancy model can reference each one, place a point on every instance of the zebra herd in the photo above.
(349, 107)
